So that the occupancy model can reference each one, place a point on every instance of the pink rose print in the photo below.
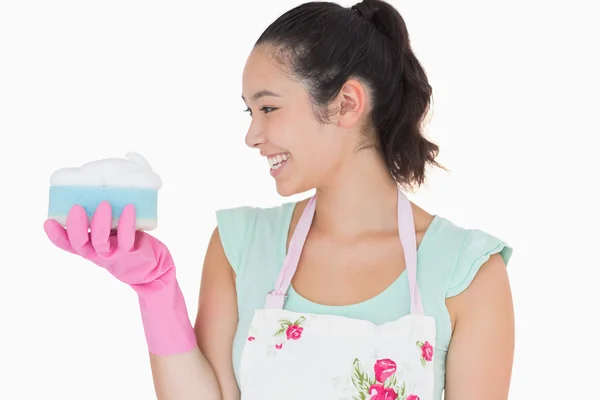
(381, 384)
(251, 338)
(384, 369)
(426, 352)
(293, 332)
(413, 397)
(380, 392)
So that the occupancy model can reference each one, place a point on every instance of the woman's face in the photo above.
(300, 152)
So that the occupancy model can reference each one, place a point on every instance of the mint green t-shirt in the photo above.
(255, 240)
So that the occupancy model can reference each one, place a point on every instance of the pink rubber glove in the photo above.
(137, 259)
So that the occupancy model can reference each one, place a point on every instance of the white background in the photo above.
(515, 93)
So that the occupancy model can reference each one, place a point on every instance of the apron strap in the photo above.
(276, 297)
(408, 238)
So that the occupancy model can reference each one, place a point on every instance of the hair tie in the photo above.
(364, 10)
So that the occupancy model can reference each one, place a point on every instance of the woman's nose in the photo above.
(254, 136)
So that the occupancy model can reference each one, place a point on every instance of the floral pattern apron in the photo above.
(292, 355)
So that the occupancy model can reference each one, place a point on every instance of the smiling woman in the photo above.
(339, 106)
(355, 292)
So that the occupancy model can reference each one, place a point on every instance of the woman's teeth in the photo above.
(275, 162)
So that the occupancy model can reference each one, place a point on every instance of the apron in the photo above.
(293, 355)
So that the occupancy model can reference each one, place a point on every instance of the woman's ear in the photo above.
(350, 105)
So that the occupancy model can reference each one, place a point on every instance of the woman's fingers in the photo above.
(100, 229)
(77, 231)
(58, 235)
(126, 229)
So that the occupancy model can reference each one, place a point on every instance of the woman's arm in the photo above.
(206, 372)
(217, 318)
(186, 376)
(480, 356)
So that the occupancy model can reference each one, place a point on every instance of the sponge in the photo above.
(120, 181)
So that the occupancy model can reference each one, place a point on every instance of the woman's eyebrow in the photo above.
(262, 93)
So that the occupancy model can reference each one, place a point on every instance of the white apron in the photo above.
(292, 355)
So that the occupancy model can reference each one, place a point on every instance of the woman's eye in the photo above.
(266, 110)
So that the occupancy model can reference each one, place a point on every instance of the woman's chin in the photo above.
(287, 188)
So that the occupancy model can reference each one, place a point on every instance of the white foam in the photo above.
(133, 171)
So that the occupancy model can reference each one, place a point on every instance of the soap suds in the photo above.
(133, 171)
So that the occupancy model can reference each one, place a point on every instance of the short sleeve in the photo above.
(476, 249)
(236, 226)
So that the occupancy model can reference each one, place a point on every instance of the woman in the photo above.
(323, 298)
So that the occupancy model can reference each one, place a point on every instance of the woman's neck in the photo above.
(361, 198)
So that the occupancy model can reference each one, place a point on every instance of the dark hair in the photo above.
(323, 44)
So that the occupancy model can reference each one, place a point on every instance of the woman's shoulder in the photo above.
(457, 252)
(247, 214)
(245, 229)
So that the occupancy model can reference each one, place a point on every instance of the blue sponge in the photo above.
(118, 181)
